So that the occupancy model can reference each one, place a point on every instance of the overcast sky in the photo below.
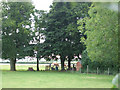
(42, 4)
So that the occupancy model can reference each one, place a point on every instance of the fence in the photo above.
(98, 70)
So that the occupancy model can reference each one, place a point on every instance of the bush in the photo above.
(101, 65)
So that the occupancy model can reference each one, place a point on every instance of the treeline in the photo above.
(69, 29)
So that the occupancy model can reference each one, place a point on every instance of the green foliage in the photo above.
(40, 24)
(60, 30)
(101, 65)
(85, 59)
(61, 34)
(16, 29)
(102, 34)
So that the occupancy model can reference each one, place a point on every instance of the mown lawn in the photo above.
(53, 79)
(22, 67)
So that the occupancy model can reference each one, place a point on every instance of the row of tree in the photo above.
(68, 29)
(62, 36)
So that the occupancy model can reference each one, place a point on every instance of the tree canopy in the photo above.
(102, 33)
(68, 29)
(16, 30)
(61, 34)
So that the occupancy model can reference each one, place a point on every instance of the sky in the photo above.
(42, 4)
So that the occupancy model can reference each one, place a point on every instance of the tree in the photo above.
(39, 18)
(80, 10)
(61, 34)
(102, 33)
(16, 31)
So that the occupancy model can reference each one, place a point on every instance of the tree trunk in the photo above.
(69, 63)
(37, 64)
(62, 63)
(12, 64)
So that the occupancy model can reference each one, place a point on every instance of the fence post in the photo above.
(97, 70)
(87, 69)
(108, 71)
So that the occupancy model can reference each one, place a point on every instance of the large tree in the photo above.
(61, 34)
(16, 31)
(78, 11)
(102, 33)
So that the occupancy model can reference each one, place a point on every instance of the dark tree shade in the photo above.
(61, 34)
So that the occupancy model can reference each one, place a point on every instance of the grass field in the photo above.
(52, 79)
(22, 67)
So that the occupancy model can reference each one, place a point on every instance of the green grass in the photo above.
(22, 67)
(53, 79)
